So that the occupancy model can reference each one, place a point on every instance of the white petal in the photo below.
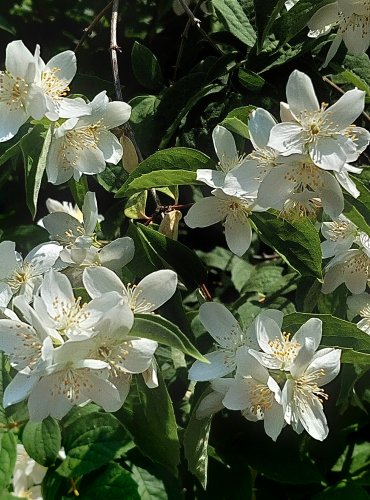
(10, 122)
(333, 278)
(69, 108)
(327, 154)
(43, 401)
(243, 180)
(64, 64)
(221, 364)
(274, 420)
(327, 360)
(213, 178)
(100, 280)
(224, 144)
(356, 37)
(323, 17)
(220, 323)
(286, 137)
(43, 257)
(347, 183)
(116, 113)
(155, 289)
(331, 195)
(117, 253)
(303, 358)
(90, 212)
(205, 212)
(89, 161)
(313, 418)
(260, 124)
(7, 258)
(349, 107)
(267, 331)
(18, 59)
(110, 147)
(247, 365)
(313, 329)
(139, 356)
(238, 397)
(301, 94)
(19, 388)
(238, 235)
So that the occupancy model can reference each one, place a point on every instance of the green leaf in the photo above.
(336, 333)
(135, 206)
(8, 454)
(149, 487)
(348, 76)
(144, 123)
(113, 482)
(149, 417)
(112, 177)
(146, 67)
(342, 491)
(78, 189)
(10, 153)
(354, 215)
(166, 168)
(237, 120)
(4, 25)
(91, 438)
(232, 15)
(183, 260)
(155, 327)
(35, 146)
(42, 440)
(266, 13)
(196, 443)
(297, 242)
(251, 80)
(4, 381)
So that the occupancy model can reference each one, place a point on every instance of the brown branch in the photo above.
(114, 48)
(92, 25)
(196, 22)
(336, 87)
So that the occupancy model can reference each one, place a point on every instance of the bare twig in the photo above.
(92, 25)
(114, 48)
(196, 22)
(336, 87)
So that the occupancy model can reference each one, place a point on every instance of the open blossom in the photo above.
(229, 335)
(51, 85)
(340, 234)
(15, 83)
(23, 277)
(84, 145)
(302, 395)
(27, 476)
(322, 132)
(351, 267)
(233, 210)
(359, 305)
(256, 393)
(352, 17)
(298, 180)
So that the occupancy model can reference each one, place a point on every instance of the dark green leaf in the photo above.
(166, 168)
(266, 13)
(146, 67)
(42, 440)
(113, 482)
(297, 242)
(91, 438)
(144, 123)
(149, 487)
(112, 177)
(148, 416)
(163, 331)
(250, 80)
(8, 454)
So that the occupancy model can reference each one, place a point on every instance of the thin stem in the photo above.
(92, 25)
(336, 87)
(114, 48)
(196, 22)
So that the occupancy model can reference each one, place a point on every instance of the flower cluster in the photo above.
(297, 166)
(82, 141)
(68, 351)
(265, 373)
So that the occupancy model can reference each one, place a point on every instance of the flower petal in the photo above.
(224, 144)
(238, 235)
(116, 113)
(155, 289)
(221, 364)
(110, 147)
(220, 323)
(260, 124)
(301, 94)
(205, 212)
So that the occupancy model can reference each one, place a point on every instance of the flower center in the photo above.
(19, 277)
(77, 140)
(136, 303)
(13, 91)
(305, 175)
(52, 85)
(365, 312)
(284, 350)
(316, 124)
(340, 229)
(69, 315)
(307, 392)
(229, 163)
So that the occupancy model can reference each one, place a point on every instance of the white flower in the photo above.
(84, 145)
(212, 402)
(279, 350)
(353, 20)
(302, 395)
(298, 175)
(233, 210)
(256, 393)
(351, 267)
(66, 207)
(145, 297)
(290, 3)
(320, 131)
(229, 335)
(340, 234)
(67, 229)
(15, 82)
(359, 305)
(51, 85)
(27, 476)
(23, 277)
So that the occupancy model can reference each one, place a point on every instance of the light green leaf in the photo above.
(146, 67)
(91, 439)
(149, 417)
(232, 15)
(166, 168)
(135, 206)
(42, 440)
(35, 146)
(251, 80)
(8, 454)
(237, 120)
(297, 242)
(156, 328)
